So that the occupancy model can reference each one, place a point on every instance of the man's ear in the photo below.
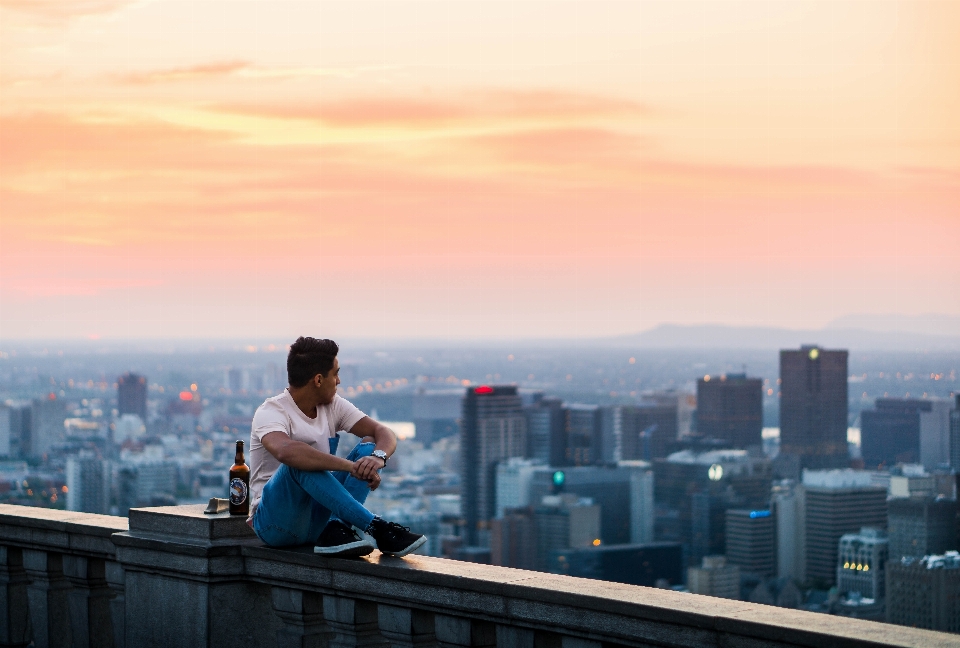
(318, 380)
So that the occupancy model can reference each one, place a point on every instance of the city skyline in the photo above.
(478, 170)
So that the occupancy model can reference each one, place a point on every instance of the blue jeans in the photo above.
(296, 504)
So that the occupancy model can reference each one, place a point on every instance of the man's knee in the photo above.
(365, 448)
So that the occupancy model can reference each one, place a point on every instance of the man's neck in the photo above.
(304, 401)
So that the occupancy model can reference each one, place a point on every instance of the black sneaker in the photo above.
(394, 539)
(339, 539)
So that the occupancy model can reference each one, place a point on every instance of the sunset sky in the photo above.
(454, 169)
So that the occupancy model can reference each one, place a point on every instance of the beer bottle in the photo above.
(239, 484)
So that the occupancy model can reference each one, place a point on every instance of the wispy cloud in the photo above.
(188, 73)
(65, 9)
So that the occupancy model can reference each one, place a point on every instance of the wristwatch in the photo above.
(381, 454)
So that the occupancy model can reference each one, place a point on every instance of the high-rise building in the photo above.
(514, 477)
(715, 578)
(132, 395)
(624, 492)
(921, 526)
(787, 507)
(694, 490)
(751, 541)
(545, 431)
(813, 407)
(955, 437)
(648, 430)
(837, 502)
(861, 558)
(935, 434)
(925, 592)
(730, 407)
(88, 484)
(564, 522)
(513, 539)
(890, 433)
(584, 435)
(436, 413)
(7, 430)
(46, 425)
(493, 428)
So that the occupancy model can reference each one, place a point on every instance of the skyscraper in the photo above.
(730, 407)
(925, 592)
(813, 407)
(955, 436)
(837, 502)
(564, 522)
(935, 434)
(582, 424)
(46, 425)
(751, 541)
(890, 433)
(921, 526)
(545, 431)
(648, 430)
(132, 395)
(493, 428)
(88, 484)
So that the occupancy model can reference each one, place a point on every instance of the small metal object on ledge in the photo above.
(217, 505)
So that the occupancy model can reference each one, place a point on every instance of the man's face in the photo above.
(328, 384)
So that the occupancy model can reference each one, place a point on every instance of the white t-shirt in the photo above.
(281, 414)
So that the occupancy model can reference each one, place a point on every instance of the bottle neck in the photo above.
(238, 459)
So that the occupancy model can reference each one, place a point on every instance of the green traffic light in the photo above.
(558, 478)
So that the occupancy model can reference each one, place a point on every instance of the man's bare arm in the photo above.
(298, 454)
(384, 439)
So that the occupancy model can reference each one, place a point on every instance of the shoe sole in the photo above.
(350, 550)
(413, 546)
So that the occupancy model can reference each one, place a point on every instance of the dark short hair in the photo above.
(308, 357)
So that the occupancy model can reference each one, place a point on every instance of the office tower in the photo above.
(921, 526)
(545, 431)
(88, 484)
(715, 578)
(860, 563)
(925, 592)
(955, 437)
(751, 541)
(436, 413)
(146, 483)
(132, 395)
(837, 502)
(787, 507)
(648, 430)
(46, 425)
(655, 564)
(513, 539)
(694, 490)
(623, 491)
(584, 432)
(493, 428)
(514, 477)
(890, 433)
(19, 416)
(564, 522)
(7, 430)
(730, 407)
(935, 434)
(813, 407)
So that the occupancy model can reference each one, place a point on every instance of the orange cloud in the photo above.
(189, 73)
(60, 9)
(470, 106)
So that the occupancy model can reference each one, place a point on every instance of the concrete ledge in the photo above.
(189, 522)
(595, 610)
(86, 534)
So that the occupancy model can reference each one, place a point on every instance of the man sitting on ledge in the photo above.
(300, 490)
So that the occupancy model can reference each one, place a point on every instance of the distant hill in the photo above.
(716, 336)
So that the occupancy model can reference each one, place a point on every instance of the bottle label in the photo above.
(238, 491)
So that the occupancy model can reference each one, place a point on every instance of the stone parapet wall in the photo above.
(176, 577)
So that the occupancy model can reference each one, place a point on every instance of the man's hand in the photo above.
(366, 469)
